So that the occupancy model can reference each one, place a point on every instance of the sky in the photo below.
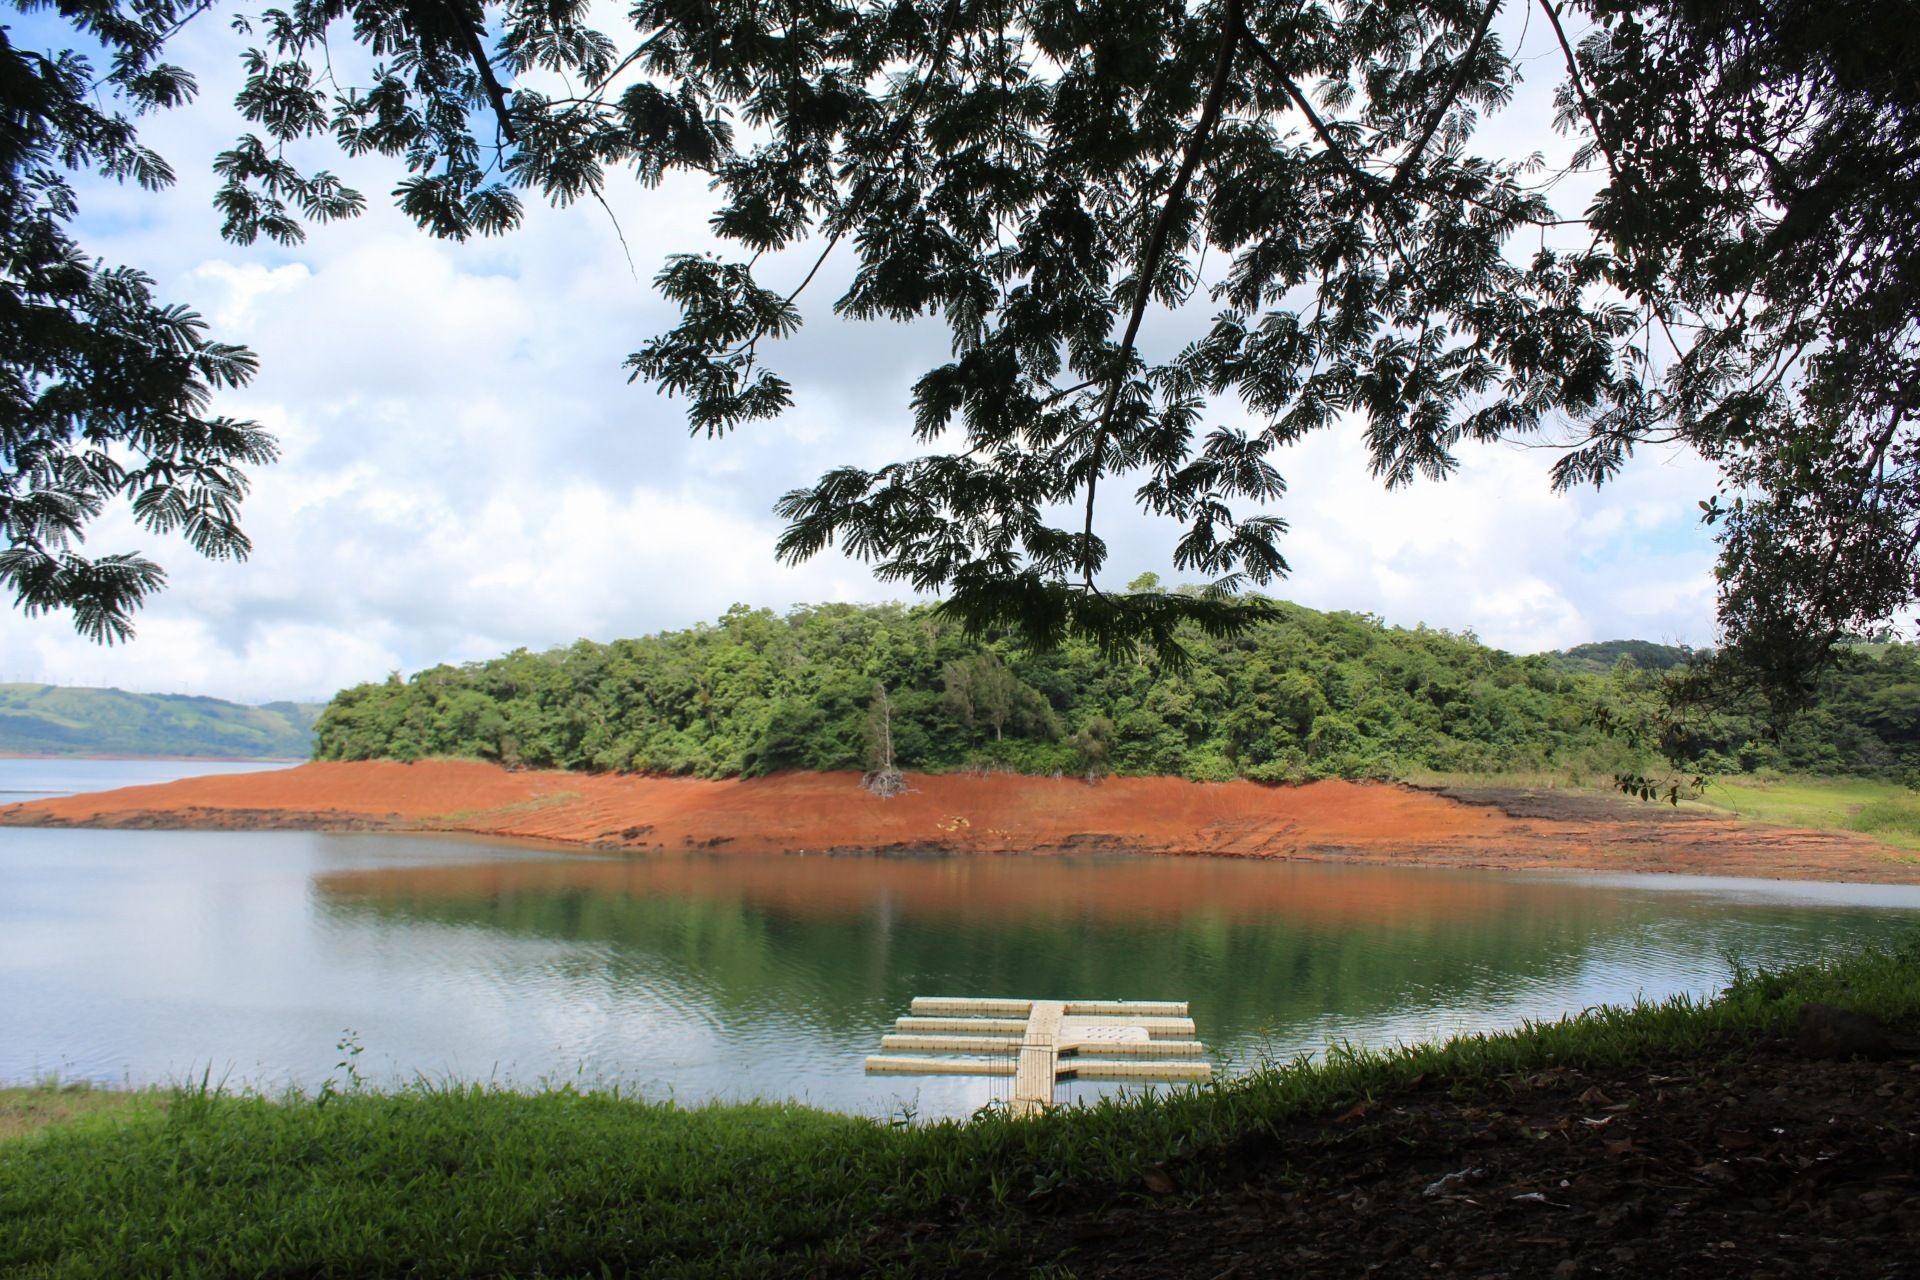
(466, 470)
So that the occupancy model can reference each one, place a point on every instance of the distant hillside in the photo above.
(1602, 656)
(1306, 695)
(47, 720)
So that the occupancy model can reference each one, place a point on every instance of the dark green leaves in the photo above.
(1764, 205)
(263, 194)
(1047, 613)
(1037, 177)
(711, 357)
(105, 393)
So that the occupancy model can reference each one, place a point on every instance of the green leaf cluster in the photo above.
(1763, 200)
(105, 391)
(1035, 178)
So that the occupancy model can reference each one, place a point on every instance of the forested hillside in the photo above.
(1601, 657)
(1307, 695)
(49, 720)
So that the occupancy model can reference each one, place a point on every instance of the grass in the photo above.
(54, 1103)
(480, 1182)
(1883, 810)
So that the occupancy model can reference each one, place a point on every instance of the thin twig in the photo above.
(633, 270)
(752, 342)
(1587, 108)
(159, 42)
(902, 124)
(1365, 181)
(1064, 392)
(1367, 186)
(642, 50)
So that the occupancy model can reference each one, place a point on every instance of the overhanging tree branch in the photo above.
(1365, 182)
(1440, 109)
(1579, 84)
(470, 37)
(846, 215)
(1231, 28)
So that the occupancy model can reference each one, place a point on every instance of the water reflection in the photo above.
(836, 941)
(1276, 958)
(142, 954)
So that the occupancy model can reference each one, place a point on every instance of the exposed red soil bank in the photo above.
(1002, 813)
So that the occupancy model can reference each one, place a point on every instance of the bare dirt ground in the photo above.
(1329, 821)
(1768, 1160)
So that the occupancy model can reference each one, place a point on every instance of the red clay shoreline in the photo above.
(952, 814)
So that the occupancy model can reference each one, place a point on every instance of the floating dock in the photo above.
(1041, 1042)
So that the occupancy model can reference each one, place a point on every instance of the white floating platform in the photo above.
(970, 1006)
(1139, 1049)
(1040, 1042)
(1129, 1009)
(988, 1006)
(1015, 1027)
(1007, 1045)
(881, 1064)
(1155, 1027)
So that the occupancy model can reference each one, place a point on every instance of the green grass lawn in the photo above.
(481, 1182)
(1886, 811)
(1883, 810)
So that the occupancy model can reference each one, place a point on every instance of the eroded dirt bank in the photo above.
(829, 813)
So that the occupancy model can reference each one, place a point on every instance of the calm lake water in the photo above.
(35, 779)
(152, 956)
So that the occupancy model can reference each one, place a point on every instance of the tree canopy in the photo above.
(1039, 175)
(104, 391)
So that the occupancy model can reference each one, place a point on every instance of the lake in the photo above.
(143, 957)
(27, 778)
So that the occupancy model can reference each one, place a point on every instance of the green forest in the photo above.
(49, 720)
(1306, 695)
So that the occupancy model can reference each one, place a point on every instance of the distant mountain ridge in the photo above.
(51, 720)
(1601, 656)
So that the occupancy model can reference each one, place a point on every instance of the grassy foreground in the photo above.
(473, 1182)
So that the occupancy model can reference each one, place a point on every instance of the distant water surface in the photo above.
(152, 956)
(39, 778)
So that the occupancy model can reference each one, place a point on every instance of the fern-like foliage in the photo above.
(106, 393)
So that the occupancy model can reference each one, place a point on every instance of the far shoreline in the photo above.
(289, 761)
(1381, 824)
